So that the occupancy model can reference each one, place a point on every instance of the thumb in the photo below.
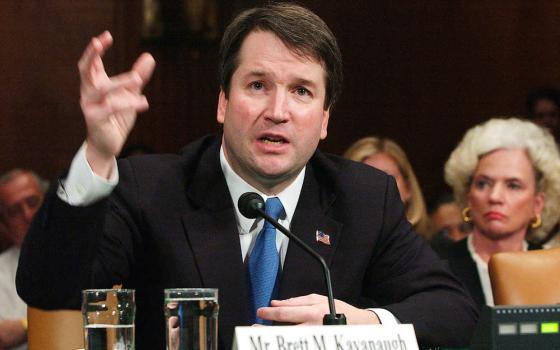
(144, 66)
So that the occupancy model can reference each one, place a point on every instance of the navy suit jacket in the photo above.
(171, 223)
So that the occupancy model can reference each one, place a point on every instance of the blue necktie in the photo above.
(264, 261)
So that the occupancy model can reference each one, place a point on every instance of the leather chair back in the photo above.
(54, 330)
(526, 278)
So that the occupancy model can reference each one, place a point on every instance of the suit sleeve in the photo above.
(408, 279)
(71, 248)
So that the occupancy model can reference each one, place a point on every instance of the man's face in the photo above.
(274, 117)
(447, 217)
(20, 198)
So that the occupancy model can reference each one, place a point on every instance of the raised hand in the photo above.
(110, 104)
(310, 309)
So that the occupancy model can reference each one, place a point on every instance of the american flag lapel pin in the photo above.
(322, 237)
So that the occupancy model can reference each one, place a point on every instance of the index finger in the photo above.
(291, 314)
(310, 299)
(93, 52)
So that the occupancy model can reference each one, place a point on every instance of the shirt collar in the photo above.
(237, 186)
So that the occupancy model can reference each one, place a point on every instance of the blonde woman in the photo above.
(506, 175)
(386, 155)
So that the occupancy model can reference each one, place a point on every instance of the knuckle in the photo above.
(316, 298)
(279, 314)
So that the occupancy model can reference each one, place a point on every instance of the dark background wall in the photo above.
(420, 72)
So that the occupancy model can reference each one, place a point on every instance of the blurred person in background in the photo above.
(506, 174)
(543, 108)
(447, 223)
(21, 194)
(386, 155)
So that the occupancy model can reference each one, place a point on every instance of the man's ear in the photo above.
(222, 106)
(325, 124)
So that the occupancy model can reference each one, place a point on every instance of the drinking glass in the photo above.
(191, 318)
(108, 319)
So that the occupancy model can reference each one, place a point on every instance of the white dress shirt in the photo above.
(249, 229)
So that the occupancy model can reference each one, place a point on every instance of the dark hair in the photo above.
(546, 93)
(300, 30)
(445, 198)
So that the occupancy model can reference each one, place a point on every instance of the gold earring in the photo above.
(466, 217)
(537, 223)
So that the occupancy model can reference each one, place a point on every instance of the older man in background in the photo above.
(21, 194)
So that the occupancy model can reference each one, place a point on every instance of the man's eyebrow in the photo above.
(296, 81)
(256, 73)
(305, 82)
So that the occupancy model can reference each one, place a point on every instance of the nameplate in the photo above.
(366, 337)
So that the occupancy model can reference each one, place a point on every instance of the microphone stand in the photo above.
(332, 318)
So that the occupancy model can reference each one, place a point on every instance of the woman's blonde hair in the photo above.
(416, 208)
(500, 133)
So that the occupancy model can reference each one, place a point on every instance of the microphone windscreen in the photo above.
(249, 203)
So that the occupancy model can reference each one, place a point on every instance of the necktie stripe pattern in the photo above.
(264, 262)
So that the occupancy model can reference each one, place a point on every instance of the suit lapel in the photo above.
(211, 229)
(301, 273)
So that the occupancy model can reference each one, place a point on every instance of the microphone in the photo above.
(251, 205)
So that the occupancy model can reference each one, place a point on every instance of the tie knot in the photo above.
(273, 207)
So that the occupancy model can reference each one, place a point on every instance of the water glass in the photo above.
(191, 318)
(108, 319)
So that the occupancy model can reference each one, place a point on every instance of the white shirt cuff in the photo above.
(82, 186)
(385, 317)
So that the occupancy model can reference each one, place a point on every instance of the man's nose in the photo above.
(278, 106)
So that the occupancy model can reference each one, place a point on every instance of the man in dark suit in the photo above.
(172, 221)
